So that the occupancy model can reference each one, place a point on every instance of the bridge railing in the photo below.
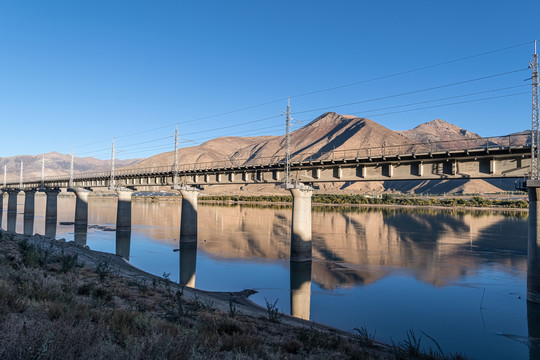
(497, 142)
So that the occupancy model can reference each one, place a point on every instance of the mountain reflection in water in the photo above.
(389, 269)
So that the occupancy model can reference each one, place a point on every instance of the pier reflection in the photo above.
(12, 211)
(533, 322)
(123, 242)
(50, 226)
(80, 234)
(28, 225)
(188, 263)
(300, 273)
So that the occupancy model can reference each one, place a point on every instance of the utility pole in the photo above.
(535, 135)
(71, 171)
(288, 138)
(21, 177)
(111, 185)
(175, 178)
(5, 174)
(43, 171)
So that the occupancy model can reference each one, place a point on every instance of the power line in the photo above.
(231, 126)
(414, 70)
(145, 142)
(446, 98)
(411, 92)
(455, 103)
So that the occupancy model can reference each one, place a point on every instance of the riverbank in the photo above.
(386, 199)
(57, 298)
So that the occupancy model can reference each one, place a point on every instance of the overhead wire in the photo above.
(410, 92)
(416, 69)
(455, 103)
(325, 90)
(444, 98)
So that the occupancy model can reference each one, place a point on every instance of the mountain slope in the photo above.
(328, 132)
(56, 164)
(437, 130)
(220, 149)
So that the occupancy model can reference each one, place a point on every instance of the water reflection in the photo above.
(51, 212)
(80, 233)
(533, 322)
(123, 242)
(50, 226)
(389, 269)
(12, 211)
(300, 273)
(81, 216)
(28, 225)
(29, 201)
(352, 247)
(188, 263)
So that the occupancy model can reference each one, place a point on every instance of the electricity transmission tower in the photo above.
(535, 135)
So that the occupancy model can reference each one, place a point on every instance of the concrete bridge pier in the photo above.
(301, 223)
(123, 212)
(300, 289)
(188, 216)
(12, 210)
(123, 223)
(51, 211)
(533, 249)
(81, 215)
(29, 211)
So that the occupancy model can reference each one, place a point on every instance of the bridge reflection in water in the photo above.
(351, 247)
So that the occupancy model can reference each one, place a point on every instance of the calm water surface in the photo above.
(460, 277)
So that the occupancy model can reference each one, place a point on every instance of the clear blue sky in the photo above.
(75, 74)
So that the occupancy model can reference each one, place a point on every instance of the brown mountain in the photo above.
(220, 149)
(55, 164)
(328, 132)
(437, 130)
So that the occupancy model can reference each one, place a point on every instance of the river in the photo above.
(458, 277)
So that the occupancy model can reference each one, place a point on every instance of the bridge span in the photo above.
(477, 158)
